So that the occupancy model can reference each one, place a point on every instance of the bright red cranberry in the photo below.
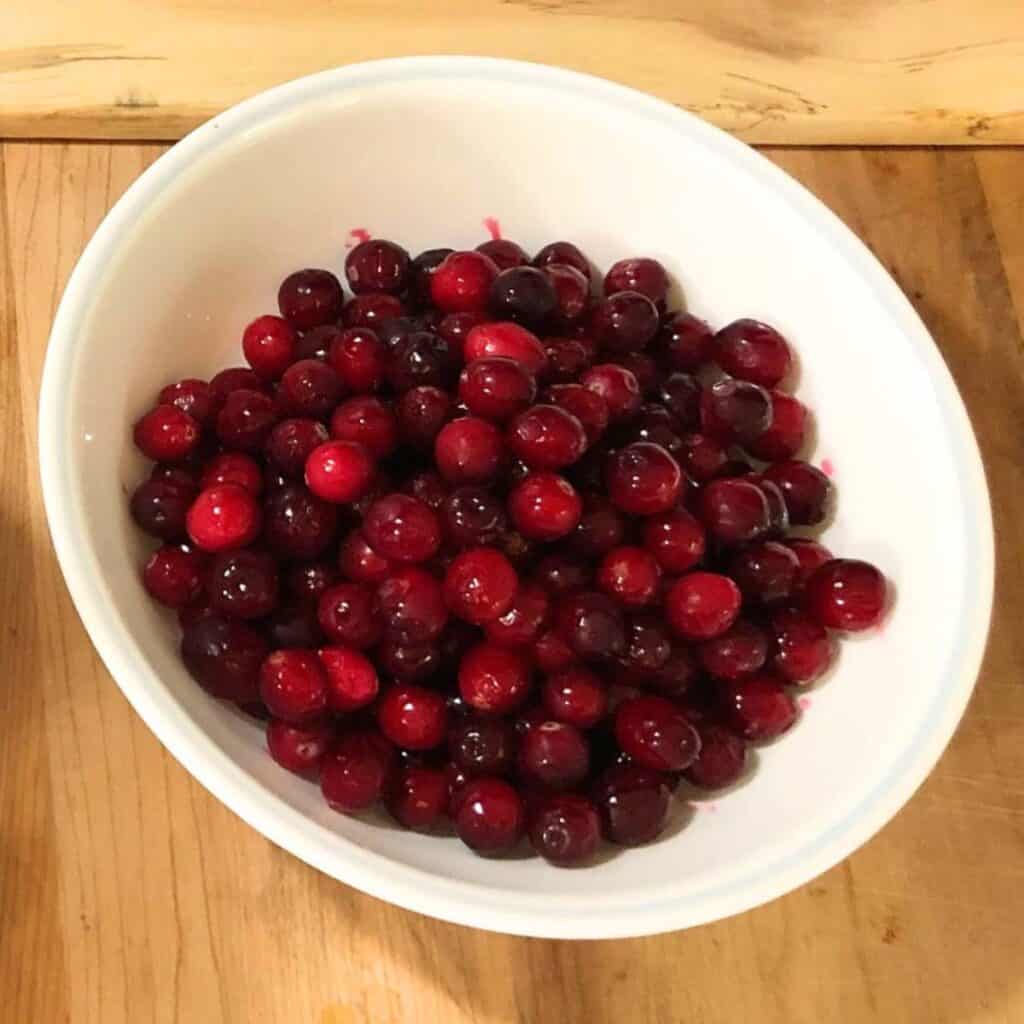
(310, 389)
(766, 572)
(412, 606)
(546, 437)
(494, 679)
(339, 471)
(564, 253)
(522, 294)
(575, 696)
(402, 528)
(630, 575)
(805, 488)
(299, 748)
(293, 685)
(482, 745)
(412, 717)
(676, 539)
(701, 457)
(520, 624)
(243, 584)
(306, 583)
(702, 605)
(462, 282)
(469, 451)
(224, 657)
(847, 594)
(592, 624)
(757, 707)
(803, 648)
(268, 344)
(686, 342)
(192, 396)
(811, 555)
(367, 421)
(166, 434)
(567, 358)
(359, 562)
(552, 653)
(349, 615)
(618, 387)
(233, 468)
(643, 479)
(356, 770)
(740, 651)
(351, 677)
(565, 829)
(372, 309)
(377, 265)
(572, 293)
(505, 340)
(553, 756)
(504, 252)
(496, 388)
(472, 516)
(309, 298)
(656, 734)
(677, 675)
(640, 274)
(358, 357)
(290, 444)
(624, 322)
(298, 524)
(174, 575)
(224, 517)
(680, 394)
(480, 585)
(734, 510)
(245, 420)
(722, 758)
(234, 378)
(544, 506)
(160, 508)
(785, 437)
(489, 815)
(587, 406)
(735, 411)
(633, 803)
(751, 350)
(417, 798)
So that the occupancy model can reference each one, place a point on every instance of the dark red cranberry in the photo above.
(224, 657)
(469, 451)
(494, 679)
(413, 717)
(293, 685)
(565, 829)
(649, 646)
(293, 625)
(506, 340)
(785, 437)
(640, 274)
(290, 444)
(735, 411)
(587, 406)
(757, 707)
(553, 756)
(702, 605)
(166, 434)
(778, 514)
(803, 648)
(316, 344)
(377, 265)
(422, 359)
(676, 539)
(417, 798)
(592, 624)
(643, 479)
(243, 584)
(480, 585)
(160, 507)
(765, 572)
(428, 487)
(560, 573)
(677, 675)
(504, 252)
(552, 654)
(601, 527)
(310, 389)
(298, 524)
(234, 378)
(618, 387)
(472, 516)
(358, 561)
(174, 575)
(701, 457)
(546, 437)
(412, 606)
(358, 357)
(233, 468)
(223, 518)
(408, 663)
(356, 770)
(268, 344)
(656, 425)
(847, 594)
(372, 309)
(564, 253)
(349, 615)
(482, 745)
(740, 651)
(575, 696)
(656, 734)
(734, 510)
(369, 422)
(421, 270)
(496, 388)
(810, 554)
(522, 294)
(191, 396)
(633, 803)
(309, 298)
(751, 350)
(461, 283)
(567, 358)
(455, 328)
(630, 575)
(245, 420)
(722, 758)
(572, 292)
(520, 624)
(805, 488)
(544, 506)
(421, 413)
(685, 342)
(299, 748)
(680, 394)
(489, 815)
(624, 322)
(402, 528)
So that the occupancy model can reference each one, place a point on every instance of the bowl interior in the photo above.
(193, 255)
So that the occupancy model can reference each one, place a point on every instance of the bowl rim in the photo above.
(470, 903)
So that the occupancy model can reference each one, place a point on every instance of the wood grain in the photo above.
(773, 71)
(128, 894)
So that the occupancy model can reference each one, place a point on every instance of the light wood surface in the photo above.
(773, 71)
(128, 894)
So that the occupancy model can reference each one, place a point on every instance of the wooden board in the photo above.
(773, 71)
(129, 894)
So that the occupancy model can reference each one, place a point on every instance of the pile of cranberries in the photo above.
(505, 550)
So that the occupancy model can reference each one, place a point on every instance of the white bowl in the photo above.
(421, 150)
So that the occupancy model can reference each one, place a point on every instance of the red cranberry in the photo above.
(455, 328)
(462, 282)
(372, 309)
(624, 322)
(222, 518)
(778, 514)
(299, 748)
(553, 756)
(298, 524)
(506, 341)
(722, 758)
(552, 653)
(633, 802)
(243, 584)
(166, 434)
(702, 605)
(785, 437)
(735, 411)
(847, 594)
(740, 651)
(803, 648)
(359, 562)
(421, 270)
(469, 451)
(680, 393)
(572, 292)
(592, 624)
(293, 685)
(677, 675)
(765, 572)
(421, 413)
(757, 707)
(640, 274)
(245, 420)
(408, 663)
(494, 679)
(496, 388)
(564, 253)
(649, 647)
(520, 624)
(412, 606)
(701, 457)
(618, 387)
(472, 516)
(676, 539)
(428, 487)
(309, 388)
(565, 829)
(307, 583)
(560, 574)
(174, 575)
(315, 344)
(377, 265)
(160, 508)
(805, 489)
(489, 815)
(421, 359)
(309, 298)
(351, 678)
(356, 770)
(480, 585)
(269, 346)
(544, 506)
(587, 406)
(412, 717)
(290, 444)
(481, 745)
(575, 696)
(567, 358)
(643, 479)
(601, 527)
(233, 468)
(234, 378)
(367, 421)
(630, 575)
(504, 252)
(524, 295)
(224, 657)
(358, 357)
(734, 510)
(418, 798)
(546, 437)
(349, 616)
(686, 342)
(402, 528)
(810, 554)
(191, 396)
(656, 734)
(751, 350)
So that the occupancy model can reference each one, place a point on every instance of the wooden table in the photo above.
(127, 893)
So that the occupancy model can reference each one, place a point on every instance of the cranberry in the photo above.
(356, 770)
(496, 388)
(805, 489)
(298, 524)
(656, 734)
(520, 624)
(504, 252)
(421, 413)
(686, 342)
(506, 341)
(358, 357)
(293, 625)
(735, 411)
(630, 575)
(640, 274)
(412, 606)
(565, 829)
(462, 282)
(481, 745)
(469, 450)
(564, 253)
(269, 346)
(224, 657)
(785, 437)
(765, 572)
(587, 406)
(377, 265)
(243, 584)
(575, 696)
(358, 561)
(417, 798)
(349, 616)
(702, 605)
(677, 675)
(299, 748)
(523, 294)
(778, 514)
(489, 815)
(290, 444)
(847, 594)
(618, 387)
(734, 510)
(572, 292)
(601, 527)
(222, 518)
(245, 420)
(676, 539)
(367, 421)
(421, 270)
(233, 468)
(701, 457)
(751, 350)
(412, 717)
(191, 396)
(234, 378)
(633, 803)
(624, 322)
(740, 651)
(722, 758)
(160, 508)
(552, 653)
(494, 679)
(351, 678)
(480, 585)
(308, 582)
(174, 575)
(418, 360)
(592, 624)
(166, 434)
(309, 298)
(309, 388)
(561, 574)
(643, 479)
(372, 309)
(680, 393)
(553, 756)
(803, 648)
(293, 685)
(544, 506)
(567, 358)
(402, 528)
(810, 554)
(546, 437)
(316, 344)
(408, 663)
(455, 328)
(472, 516)
(757, 707)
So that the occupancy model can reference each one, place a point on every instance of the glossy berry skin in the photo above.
(757, 707)
(232, 379)
(638, 274)
(166, 434)
(786, 435)
(544, 507)
(160, 507)
(412, 717)
(421, 412)
(524, 295)
(810, 554)
(506, 340)
(846, 594)
(575, 696)
(630, 575)
(560, 574)
(601, 528)
(316, 344)
(358, 562)
(765, 572)
(633, 802)
(701, 457)
(290, 444)
(546, 437)
(408, 663)
(563, 253)
(493, 679)
(417, 798)
(778, 514)
(740, 651)
(496, 388)
(223, 518)
(803, 649)
(553, 756)
(676, 539)
(293, 685)
(522, 622)
(352, 681)
(192, 396)
(421, 270)
(358, 357)
(567, 358)
(268, 344)
(402, 528)
(420, 359)
(643, 479)
(243, 584)
(371, 309)
(587, 406)
(298, 524)
(173, 575)
(461, 283)
(299, 748)
(245, 420)
(735, 411)
(377, 265)
(734, 510)
(233, 468)
(339, 471)
(367, 421)
(649, 647)
(701, 605)
(685, 342)
(471, 516)
(411, 606)
(805, 489)
(504, 252)
(482, 745)
(618, 387)
(349, 615)
(656, 734)
(572, 293)
(356, 770)
(309, 388)
(469, 450)
(309, 298)
(306, 583)
(592, 624)
(489, 815)
(480, 585)
(565, 829)
(751, 350)
(722, 758)
(552, 654)
(677, 675)
(224, 656)
(624, 322)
